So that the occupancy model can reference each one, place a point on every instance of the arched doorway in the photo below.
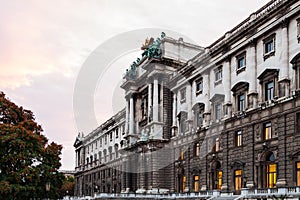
(216, 176)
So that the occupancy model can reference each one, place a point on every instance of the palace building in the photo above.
(222, 117)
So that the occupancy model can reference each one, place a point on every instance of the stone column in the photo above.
(284, 61)
(150, 103)
(174, 123)
(227, 86)
(127, 116)
(189, 106)
(155, 100)
(131, 116)
(206, 92)
(252, 72)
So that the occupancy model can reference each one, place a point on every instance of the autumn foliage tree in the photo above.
(27, 161)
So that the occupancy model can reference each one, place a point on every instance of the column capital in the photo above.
(284, 23)
(252, 43)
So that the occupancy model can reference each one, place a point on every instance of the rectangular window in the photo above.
(217, 145)
(298, 173)
(269, 46)
(183, 123)
(181, 154)
(196, 149)
(182, 95)
(199, 86)
(241, 62)
(219, 179)
(298, 123)
(238, 180)
(218, 74)
(218, 111)
(199, 119)
(271, 175)
(267, 131)
(269, 90)
(298, 30)
(183, 183)
(196, 183)
(241, 102)
(238, 138)
(110, 136)
(117, 132)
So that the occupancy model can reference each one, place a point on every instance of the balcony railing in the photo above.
(245, 193)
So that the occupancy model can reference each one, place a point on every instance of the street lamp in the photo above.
(48, 184)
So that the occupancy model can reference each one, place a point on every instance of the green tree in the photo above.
(67, 188)
(27, 161)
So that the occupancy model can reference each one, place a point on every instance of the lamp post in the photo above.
(48, 184)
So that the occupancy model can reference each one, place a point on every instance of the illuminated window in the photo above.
(238, 179)
(219, 179)
(238, 138)
(267, 131)
(217, 145)
(271, 175)
(298, 173)
(196, 149)
(196, 183)
(181, 154)
(183, 183)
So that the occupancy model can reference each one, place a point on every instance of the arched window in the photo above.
(240, 91)
(271, 171)
(296, 66)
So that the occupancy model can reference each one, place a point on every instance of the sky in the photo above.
(44, 45)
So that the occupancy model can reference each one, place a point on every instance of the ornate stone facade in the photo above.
(224, 117)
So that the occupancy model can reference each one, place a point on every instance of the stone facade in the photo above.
(224, 117)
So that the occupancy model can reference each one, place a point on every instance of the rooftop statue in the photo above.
(151, 50)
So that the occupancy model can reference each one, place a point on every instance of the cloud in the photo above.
(44, 43)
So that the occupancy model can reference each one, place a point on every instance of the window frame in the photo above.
(199, 82)
(238, 138)
(267, 135)
(297, 174)
(298, 29)
(196, 183)
(241, 103)
(218, 111)
(216, 145)
(218, 75)
(269, 89)
(196, 149)
(271, 39)
(182, 93)
(240, 57)
(239, 178)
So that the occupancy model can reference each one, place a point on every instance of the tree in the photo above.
(27, 161)
(67, 188)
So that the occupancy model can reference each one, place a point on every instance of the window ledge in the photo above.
(241, 69)
(198, 92)
(182, 101)
(218, 82)
(268, 55)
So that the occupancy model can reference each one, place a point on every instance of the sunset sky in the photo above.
(43, 45)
